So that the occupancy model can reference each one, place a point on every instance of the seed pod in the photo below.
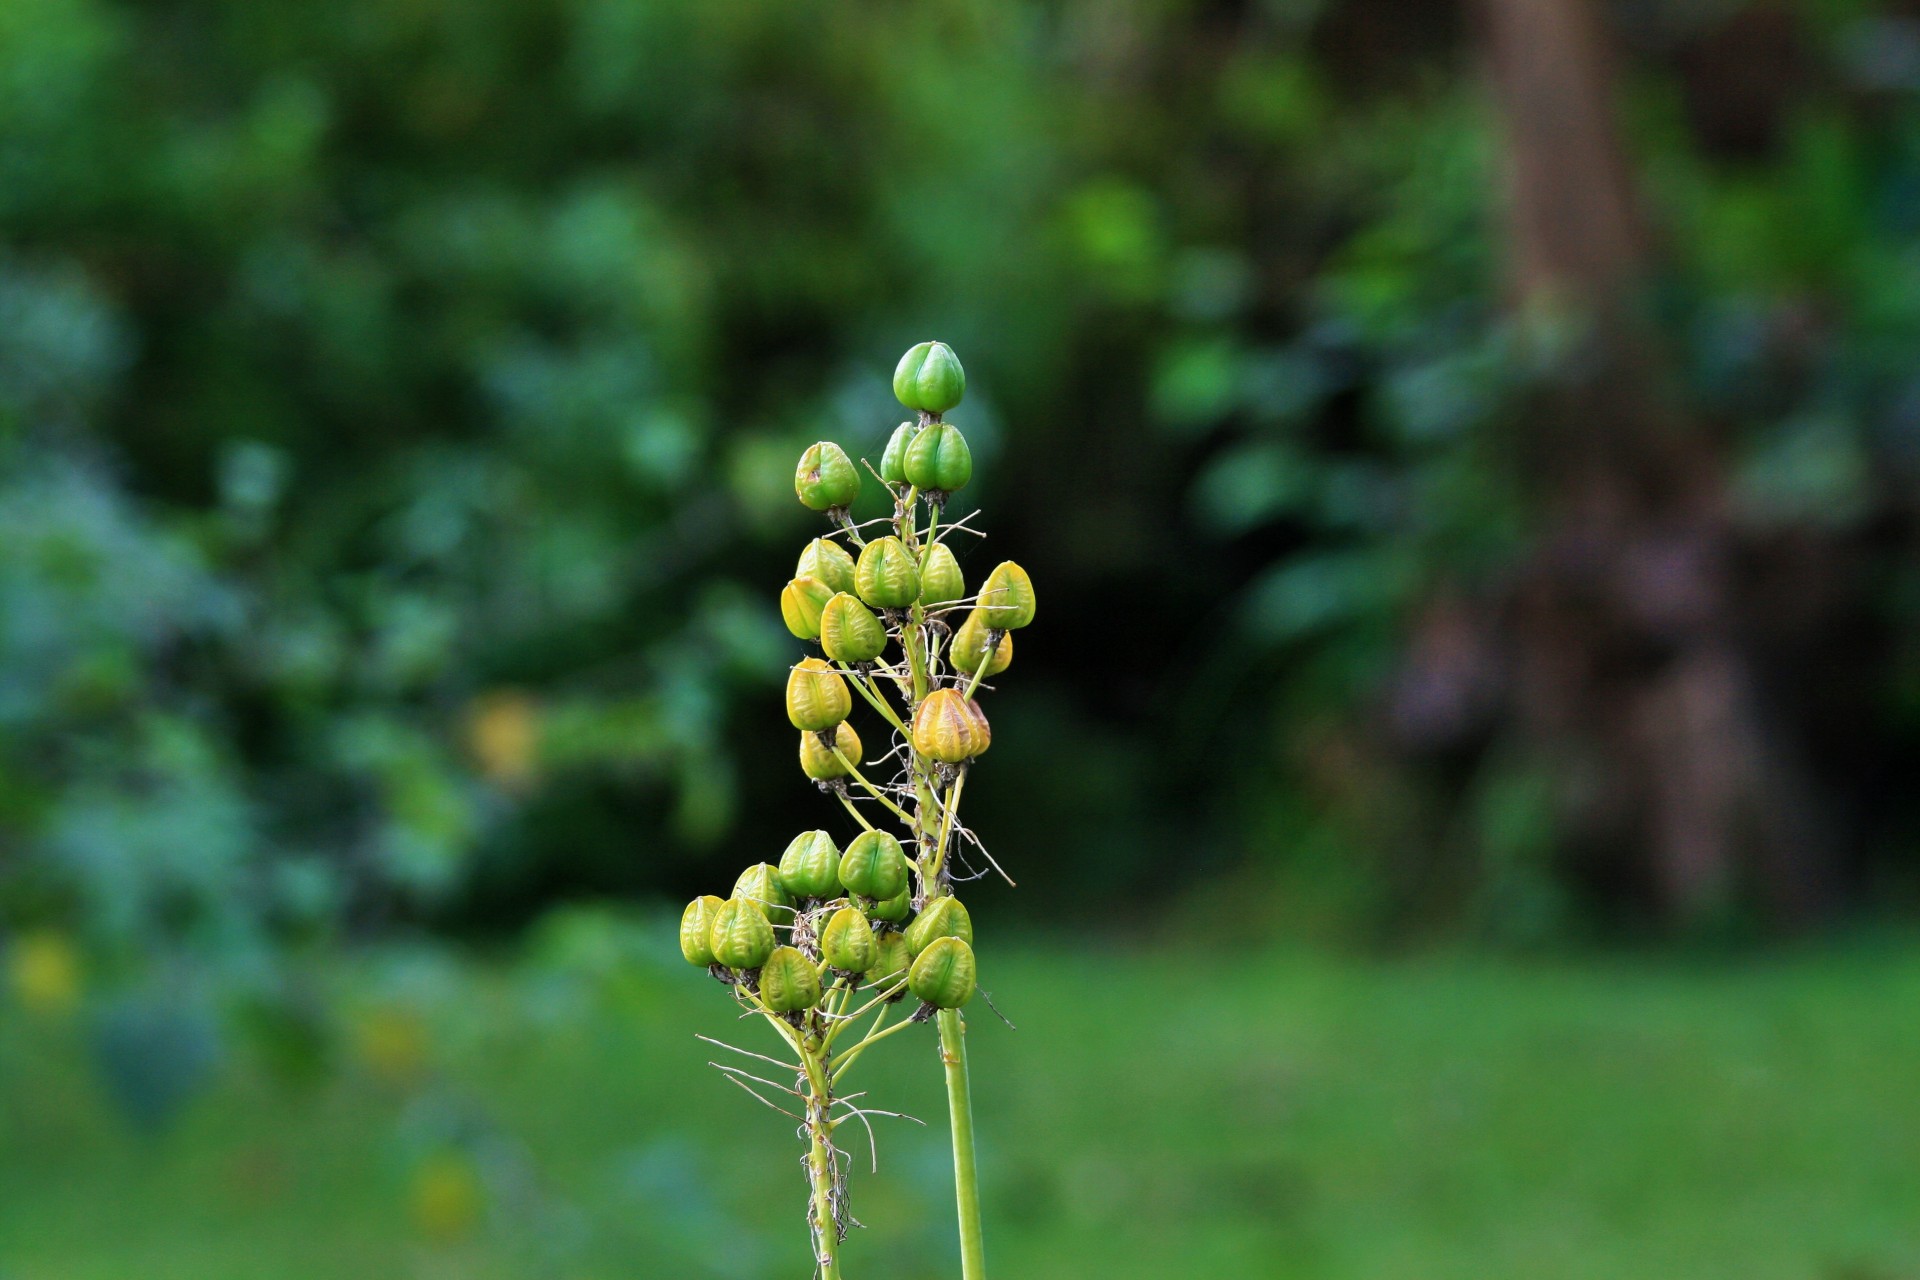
(847, 943)
(761, 884)
(891, 959)
(939, 461)
(1008, 597)
(810, 868)
(696, 930)
(887, 576)
(893, 463)
(788, 981)
(950, 728)
(817, 698)
(742, 938)
(828, 561)
(894, 909)
(826, 478)
(819, 763)
(945, 974)
(801, 603)
(873, 866)
(849, 632)
(929, 378)
(943, 918)
(941, 581)
(969, 646)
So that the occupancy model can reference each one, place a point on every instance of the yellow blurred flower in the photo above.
(503, 732)
(44, 970)
(446, 1197)
(393, 1044)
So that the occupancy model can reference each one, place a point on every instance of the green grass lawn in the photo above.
(1154, 1116)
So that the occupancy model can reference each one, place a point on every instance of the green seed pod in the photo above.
(828, 561)
(943, 918)
(826, 477)
(939, 461)
(821, 764)
(893, 463)
(1008, 597)
(761, 884)
(945, 974)
(873, 866)
(950, 728)
(817, 698)
(847, 943)
(894, 909)
(810, 868)
(801, 603)
(969, 646)
(789, 983)
(929, 378)
(887, 576)
(696, 929)
(941, 581)
(849, 632)
(742, 937)
(891, 959)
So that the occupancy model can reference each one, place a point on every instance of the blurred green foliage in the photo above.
(397, 404)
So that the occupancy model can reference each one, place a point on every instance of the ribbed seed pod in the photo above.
(1007, 597)
(742, 938)
(847, 943)
(696, 929)
(886, 575)
(810, 868)
(943, 918)
(873, 866)
(826, 478)
(828, 561)
(761, 883)
(941, 581)
(817, 697)
(789, 983)
(891, 959)
(950, 728)
(969, 646)
(849, 632)
(821, 764)
(893, 463)
(894, 909)
(945, 974)
(801, 603)
(929, 378)
(939, 461)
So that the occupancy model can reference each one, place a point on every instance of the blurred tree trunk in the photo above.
(1627, 674)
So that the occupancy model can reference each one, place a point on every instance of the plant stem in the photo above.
(826, 1231)
(966, 1181)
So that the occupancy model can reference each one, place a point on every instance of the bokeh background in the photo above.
(1460, 781)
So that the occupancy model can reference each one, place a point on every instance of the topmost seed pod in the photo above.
(827, 561)
(893, 463)
(1007, 597)
(929, 378)
(826, 479)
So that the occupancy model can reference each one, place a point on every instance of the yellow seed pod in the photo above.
(801, 603)
(1007, 597)
(849, 632)
(941, 581)
(950, 728)
(696, 929)
(817, 698)
(789, 983)
(819, 763)
(969, 646)
(887, 575)
(827, 561)
(945, 973)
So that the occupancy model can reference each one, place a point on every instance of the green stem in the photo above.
(966, 1180)
(826, 1231)
(869, 788)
